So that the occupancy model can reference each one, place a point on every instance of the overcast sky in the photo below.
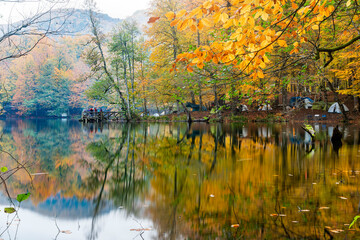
(115, 8)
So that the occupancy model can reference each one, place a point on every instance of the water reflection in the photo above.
(174, 181)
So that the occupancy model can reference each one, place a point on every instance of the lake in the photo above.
(174, 181)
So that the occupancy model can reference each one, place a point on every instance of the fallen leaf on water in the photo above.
(244, 159)
(42, 173)
(282, 215)
(274, 215)
(304, 210)
(290, 175)
(323, 208)
(346, 224)
(344, 198)
(235, 225)
(295, 221)
(212, 195)
(336, 230)
(314, 183)
(140, 229)
(66, 231)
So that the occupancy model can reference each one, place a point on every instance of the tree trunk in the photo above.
(200, 97)
(127, 95)
(192, 97)
(157, 108)
(188, 114)
(356, 104)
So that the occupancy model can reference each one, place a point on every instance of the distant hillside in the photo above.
(78, 23)
(141, 17)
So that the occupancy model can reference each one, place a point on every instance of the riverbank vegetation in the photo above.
(194, 55)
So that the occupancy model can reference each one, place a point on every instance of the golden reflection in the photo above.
(200, 181)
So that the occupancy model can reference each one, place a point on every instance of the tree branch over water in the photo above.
(20, 38)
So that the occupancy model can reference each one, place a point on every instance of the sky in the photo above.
(13, 11)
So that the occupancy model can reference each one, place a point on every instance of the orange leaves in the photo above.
(265, 16)
(282, 43)
(153, 19)
(189, 69)
(260, 73)
(249, 29)
(173, 23)
(204, 22)
(170, 15)
(181, 13)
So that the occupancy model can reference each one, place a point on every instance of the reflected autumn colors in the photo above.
(175, 181)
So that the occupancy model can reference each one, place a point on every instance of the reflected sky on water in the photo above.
(175, 181)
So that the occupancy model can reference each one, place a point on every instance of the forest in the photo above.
(159, 172)
(215, 55)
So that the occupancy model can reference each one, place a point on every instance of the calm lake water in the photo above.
(172, 181)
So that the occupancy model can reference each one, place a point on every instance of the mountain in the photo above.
(141, 17)
(77, 22)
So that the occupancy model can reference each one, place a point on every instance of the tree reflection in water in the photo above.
(205, 181)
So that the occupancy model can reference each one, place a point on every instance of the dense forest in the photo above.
(215, 54)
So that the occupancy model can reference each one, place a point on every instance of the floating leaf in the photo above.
(3, 169)
(9, 210)
(323, 208)
(235, 225)
(140, 229)
(22, 197)
(41, 173)
(212, 195)
(343, 198)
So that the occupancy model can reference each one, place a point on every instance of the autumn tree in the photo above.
(106, 87)
(257, 31)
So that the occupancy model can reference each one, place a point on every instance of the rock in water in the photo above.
(336, 139)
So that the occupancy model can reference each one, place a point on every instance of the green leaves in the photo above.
(354, 221)
(9, 210)
(19, 198)
(22, 197)
(4, 169)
